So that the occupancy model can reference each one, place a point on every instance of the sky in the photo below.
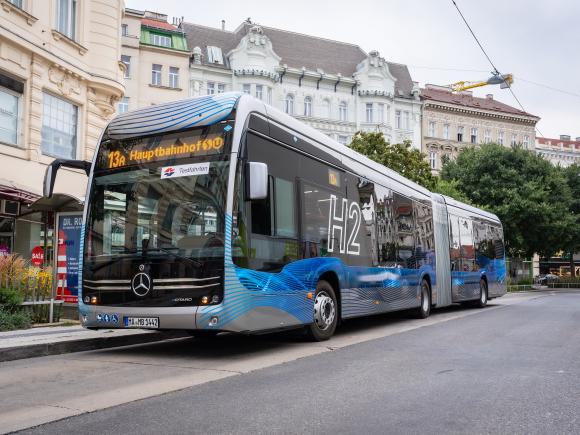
(536, 40)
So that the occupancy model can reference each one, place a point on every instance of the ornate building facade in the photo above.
(60, 82)
(155, 57)
(335, 87)
(564, 151)
(453, 121)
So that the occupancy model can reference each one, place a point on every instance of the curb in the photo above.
(81, 345)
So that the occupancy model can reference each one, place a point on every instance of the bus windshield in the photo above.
(170, 207)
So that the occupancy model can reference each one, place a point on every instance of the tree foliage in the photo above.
(530, 196)
(451, 188)
(401, 157)
(572, 175)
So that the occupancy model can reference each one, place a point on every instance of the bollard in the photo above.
(51, 311)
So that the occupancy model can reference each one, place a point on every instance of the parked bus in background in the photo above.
(221, 213)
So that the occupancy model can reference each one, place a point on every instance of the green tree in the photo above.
(572, 174)
(401, 157)
(451, 188)
(530, 196)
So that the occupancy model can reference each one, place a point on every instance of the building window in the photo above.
(445, 131)
(124, 30)
(343, 111)
(431, 129)
(326, 108)
(289, 104)
(487, 136)
(307, 106)
(397, 119)
(514, 139)
(17, 3)
(369, 109)
(9, 116)
(433, 159)
(214, 55)
(381, 113)
(460, 134)
(160, 40)
(59, 127)
(500, 137)
(173, 77)
(66, 16)
(127, 62)
(123, 105)
(406, 120)
(259, 92)
(156, 75)
(210, 88)
(343, 140)
(269, 95)
(221, 88)
(247, 89)
(473, 135)
(388, 119)
(526, 141)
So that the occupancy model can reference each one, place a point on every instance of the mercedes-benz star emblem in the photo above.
(141, 284)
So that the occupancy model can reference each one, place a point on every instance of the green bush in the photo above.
(12, 314)
(15, 320)
(10, 300)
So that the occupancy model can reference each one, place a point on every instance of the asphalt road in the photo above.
(512, 368)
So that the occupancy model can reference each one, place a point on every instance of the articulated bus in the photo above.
(221, 213)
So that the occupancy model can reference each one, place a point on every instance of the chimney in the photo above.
(223, 24)
(489, 96)
(564, 137)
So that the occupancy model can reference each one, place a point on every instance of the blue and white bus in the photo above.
(221, 213)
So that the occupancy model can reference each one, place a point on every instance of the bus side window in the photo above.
(405, 229)
(424, 236)
(454, 249)
(385, 227)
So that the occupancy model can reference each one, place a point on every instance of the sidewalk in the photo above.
(29, 343)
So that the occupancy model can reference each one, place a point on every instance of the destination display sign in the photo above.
(118, 154)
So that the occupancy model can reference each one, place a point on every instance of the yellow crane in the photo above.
(504, 80)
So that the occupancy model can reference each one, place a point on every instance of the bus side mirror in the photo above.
(52, 169)
(256, 181)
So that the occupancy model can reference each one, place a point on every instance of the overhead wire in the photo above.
(495, 70)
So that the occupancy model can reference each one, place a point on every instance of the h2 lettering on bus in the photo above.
(343, 226)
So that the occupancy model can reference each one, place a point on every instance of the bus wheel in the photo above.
(425, 308)
(325, 313)
(482, 301)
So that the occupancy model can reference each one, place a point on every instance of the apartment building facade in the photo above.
(60, 82)
(453, 121)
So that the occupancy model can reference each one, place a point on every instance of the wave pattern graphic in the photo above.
(178, 115)
(247, 290)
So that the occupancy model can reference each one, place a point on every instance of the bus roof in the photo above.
(177, 115)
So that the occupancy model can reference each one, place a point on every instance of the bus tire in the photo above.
(425, 308)
(325, 313)
(482, 301)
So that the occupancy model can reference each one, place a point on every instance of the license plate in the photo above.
(141, 322)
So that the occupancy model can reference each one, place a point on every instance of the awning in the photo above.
(17, 192)
(58, 202)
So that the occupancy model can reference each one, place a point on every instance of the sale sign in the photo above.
(37, 258)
